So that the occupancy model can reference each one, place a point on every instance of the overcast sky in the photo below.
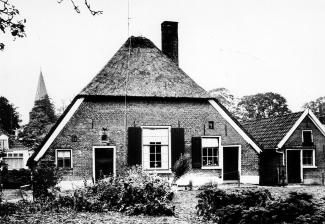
(246, 46)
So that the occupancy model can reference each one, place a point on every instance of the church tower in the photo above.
(41, 92)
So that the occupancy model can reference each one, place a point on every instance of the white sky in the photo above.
(246, 46)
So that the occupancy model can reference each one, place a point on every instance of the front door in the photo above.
(104, 162)
(230, 163)
(293, 166)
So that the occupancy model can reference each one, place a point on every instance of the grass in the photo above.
(185, 202)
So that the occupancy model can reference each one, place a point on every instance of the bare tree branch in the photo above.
(92, 11)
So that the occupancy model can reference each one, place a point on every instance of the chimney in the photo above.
(169, 40)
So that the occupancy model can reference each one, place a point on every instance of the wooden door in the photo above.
(294, 166)
(230, 163)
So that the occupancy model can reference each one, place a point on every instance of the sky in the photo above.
(246, 46)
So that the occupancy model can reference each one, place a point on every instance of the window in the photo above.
(210, 151)
(156, 148)
(63, 159)
(307, 137)
(308, 158)
(15, 161)
(211, 124)
(155, 154)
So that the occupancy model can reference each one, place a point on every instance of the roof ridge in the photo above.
(273, 117)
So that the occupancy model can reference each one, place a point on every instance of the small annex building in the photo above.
(142, 109)
(293, 148)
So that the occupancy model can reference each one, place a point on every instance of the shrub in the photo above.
(257, 206)
(45, 178)
(13, 179)
(181, 167)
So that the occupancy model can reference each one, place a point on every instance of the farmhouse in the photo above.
(293, 148)
(143, 109)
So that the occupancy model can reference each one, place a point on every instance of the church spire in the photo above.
(41, 92)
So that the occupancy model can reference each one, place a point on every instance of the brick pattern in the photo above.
(310, 175)
(193, 116)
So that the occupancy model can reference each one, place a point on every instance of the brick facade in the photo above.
(310, 175)
(192, 115)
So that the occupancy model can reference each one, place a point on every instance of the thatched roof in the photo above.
(150, 74)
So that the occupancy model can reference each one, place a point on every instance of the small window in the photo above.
(64, 158)
(308, 158)
(9, 155)
(210, 152)
(211, 124)
(15, 155)
(20, 155)
(74, 138)
(307, 138)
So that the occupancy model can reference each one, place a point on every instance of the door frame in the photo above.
(239, 160)
(114, 158)
(301, 168)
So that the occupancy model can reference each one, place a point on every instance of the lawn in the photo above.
(184, 201)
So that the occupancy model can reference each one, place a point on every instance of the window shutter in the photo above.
(196, 152)
(134, 146)
(177, 144)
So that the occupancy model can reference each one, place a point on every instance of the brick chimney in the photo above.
(169, 40)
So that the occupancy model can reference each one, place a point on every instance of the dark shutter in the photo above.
(196, 152)
(134, 146)
(177, 143)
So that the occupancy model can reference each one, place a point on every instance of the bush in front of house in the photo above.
(257, 206)
(13, 179)
(45, 177)
(134, 192)
(181, 167)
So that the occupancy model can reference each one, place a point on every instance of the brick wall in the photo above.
(193, 116)
(310, 175)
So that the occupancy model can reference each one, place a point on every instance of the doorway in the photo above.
(230, 163)
(294, 166)
(103, 162)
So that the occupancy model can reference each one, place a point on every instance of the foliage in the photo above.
(134, 192)
(181, 167)
(9, 18)
(257, 206)
(228, 100)
(9, 117)
(13, 179)
(263, 105)
(42, 118)
(314, 105)
(45, 177)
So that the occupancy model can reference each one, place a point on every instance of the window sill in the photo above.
(64, 169)
(309, 167)
(210, 167)
(157, 171)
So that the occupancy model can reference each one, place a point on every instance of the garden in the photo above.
(138, 197)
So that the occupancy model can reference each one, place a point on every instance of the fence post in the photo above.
(238, 178)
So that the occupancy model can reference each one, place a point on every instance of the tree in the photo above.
(42, 117)
(9, 117)
(228, 100)
(315, 105)
(263, 105)
(11, 22)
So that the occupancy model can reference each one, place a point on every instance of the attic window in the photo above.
(211, 124)
(74, 138)
(104, 136)
(307, 137)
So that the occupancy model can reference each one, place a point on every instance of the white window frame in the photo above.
(313, 159)
(220, 154)
(311, 134)
(114, 159)
(157, 170)
(56, 158)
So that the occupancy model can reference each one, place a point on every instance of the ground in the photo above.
(185, 202)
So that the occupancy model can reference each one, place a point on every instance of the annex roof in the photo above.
(272, 133)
